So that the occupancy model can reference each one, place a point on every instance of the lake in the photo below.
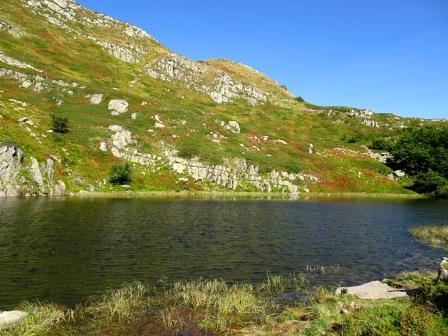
(63, 250)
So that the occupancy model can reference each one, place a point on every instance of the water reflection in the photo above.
(63, 250)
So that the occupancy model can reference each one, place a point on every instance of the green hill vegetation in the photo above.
(121, 96)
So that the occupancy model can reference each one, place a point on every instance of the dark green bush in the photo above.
(423, 154)
(431, 183)
(59, 125)
(382, 144)
(120, 174)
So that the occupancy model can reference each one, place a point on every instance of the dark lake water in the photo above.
(65, 249)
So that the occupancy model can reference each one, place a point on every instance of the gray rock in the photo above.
(10, 163)
(36, 174)
(375, 290)
(118, 106)
(103, 146)
(234, 126)
(195, 75)
(59, 188)
(96, 99)
(443, 271)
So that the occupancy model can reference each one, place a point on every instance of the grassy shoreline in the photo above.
(215, 308)
(229, 194)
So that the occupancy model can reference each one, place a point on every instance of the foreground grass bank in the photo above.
(219, 308)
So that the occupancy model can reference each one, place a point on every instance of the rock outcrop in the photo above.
(128, 53)
(11, 29)
(20, 177)
(13, 62)
(201, 77)
(10, 163)
(231, 174)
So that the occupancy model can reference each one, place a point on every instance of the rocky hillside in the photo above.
(183, 124)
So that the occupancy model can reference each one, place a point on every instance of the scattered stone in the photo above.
(79, 181)
(118, 106)
(96, 99)
(400, 173)
(311, 149)
(158, 123)
(134, 116)
(280, 141)
(375, 290)
(103, 146)
(232, 126)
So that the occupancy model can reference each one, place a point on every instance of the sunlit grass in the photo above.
(215, 307)
(434, 235)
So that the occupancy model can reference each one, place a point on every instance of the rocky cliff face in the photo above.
(20, 176)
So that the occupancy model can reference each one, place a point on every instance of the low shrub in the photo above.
(59, 125)
(120, 174)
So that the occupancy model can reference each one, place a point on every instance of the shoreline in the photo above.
(228, 195)
(249, 195)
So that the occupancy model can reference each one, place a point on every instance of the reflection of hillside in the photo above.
(67, 249)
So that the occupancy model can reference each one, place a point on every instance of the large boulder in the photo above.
(375, 290)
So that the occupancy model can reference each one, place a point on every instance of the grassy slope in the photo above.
(61, 56)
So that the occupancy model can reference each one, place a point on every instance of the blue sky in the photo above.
(387, 55)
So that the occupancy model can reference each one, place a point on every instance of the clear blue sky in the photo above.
(387, 55)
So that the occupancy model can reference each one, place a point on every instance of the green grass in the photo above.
(433, 235)
(215, 307)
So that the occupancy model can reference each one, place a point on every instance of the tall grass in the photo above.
(216, 307)
(40, 320)
(434, 235)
